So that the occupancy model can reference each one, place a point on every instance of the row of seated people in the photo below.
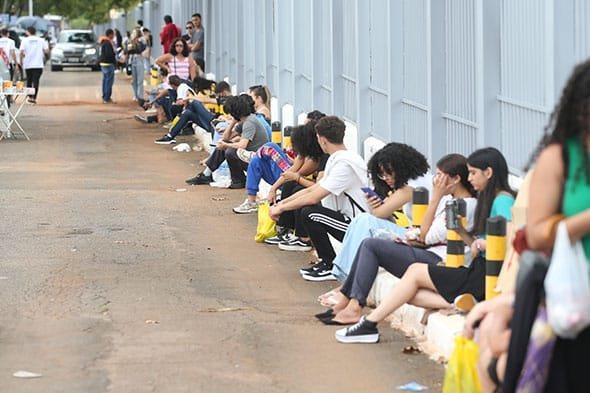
(323, 194)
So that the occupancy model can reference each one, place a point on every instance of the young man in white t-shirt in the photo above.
(9, 48)
(32, 56)
(328, 206)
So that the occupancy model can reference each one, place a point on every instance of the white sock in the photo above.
(207, 172)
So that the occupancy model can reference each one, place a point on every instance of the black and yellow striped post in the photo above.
(495, 252)
(287, 137)
(277, 137)
(456, 245)
(154, 73)
(419, 205)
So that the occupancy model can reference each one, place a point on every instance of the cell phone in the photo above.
(371, 193)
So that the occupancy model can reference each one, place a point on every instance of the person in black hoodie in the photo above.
(107, 61)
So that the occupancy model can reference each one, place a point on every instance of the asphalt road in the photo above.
(112, 281)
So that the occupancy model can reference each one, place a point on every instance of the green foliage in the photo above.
(94, 11)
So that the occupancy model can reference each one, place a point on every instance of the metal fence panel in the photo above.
(303, 45)
(322, 70)
(462, 93)
(415, 75)
(526, 93)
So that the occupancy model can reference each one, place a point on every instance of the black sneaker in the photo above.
(307, 270)
(295, 243)
(236, 186)
(322, 273)
(165, 140)
(283, 234)
(364, 331)
(199, 179)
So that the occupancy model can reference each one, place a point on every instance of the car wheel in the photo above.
(56, 68)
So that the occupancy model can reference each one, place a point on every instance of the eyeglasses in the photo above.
(189, 27)
(383, 176)
(179, 45)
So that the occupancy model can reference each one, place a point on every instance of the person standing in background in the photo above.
(107, 61)
(147, 53)
(168, 33)
(32, 54)
(9, 47)
(198, 41)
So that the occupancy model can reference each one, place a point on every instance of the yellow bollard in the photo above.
(154, 76)
(287, 137)
(495, 252)
(276, 132)
(419, 205)
(455, 245)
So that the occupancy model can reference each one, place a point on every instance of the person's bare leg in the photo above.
(415, 278)
(350, 314)
(429, 299)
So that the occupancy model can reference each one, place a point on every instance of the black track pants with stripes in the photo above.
(319, 222)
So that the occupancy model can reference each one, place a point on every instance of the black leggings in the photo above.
(33, 77)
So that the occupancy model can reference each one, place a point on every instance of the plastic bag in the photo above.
(461, 375)
(567, 287)
(266, 226)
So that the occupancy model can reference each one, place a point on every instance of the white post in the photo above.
(30, 7)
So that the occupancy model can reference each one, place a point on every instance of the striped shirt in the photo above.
(179, 67)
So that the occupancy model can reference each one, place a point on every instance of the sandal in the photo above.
(329, 299)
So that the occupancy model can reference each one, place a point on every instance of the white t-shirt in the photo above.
(8, 45)
(183, 91)
(33, 48)
(438, 230)
(345, 173)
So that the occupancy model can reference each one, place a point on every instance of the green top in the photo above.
(576, 194)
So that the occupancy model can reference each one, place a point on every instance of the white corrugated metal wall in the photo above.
(444, 76)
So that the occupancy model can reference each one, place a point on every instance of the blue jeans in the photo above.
(263, 167)
(198, 114)
(137, 77)
(108, 77)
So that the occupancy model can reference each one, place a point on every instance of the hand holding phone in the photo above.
(371, 193)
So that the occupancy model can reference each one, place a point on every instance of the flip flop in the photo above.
(326, 314)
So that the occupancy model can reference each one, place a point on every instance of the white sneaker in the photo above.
(245, 155)
(246, 207)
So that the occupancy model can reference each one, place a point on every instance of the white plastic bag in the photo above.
(567, 287)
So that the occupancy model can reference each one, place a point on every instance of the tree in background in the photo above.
(96, 11)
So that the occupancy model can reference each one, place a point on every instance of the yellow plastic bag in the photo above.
(266, 226)
(461, 375)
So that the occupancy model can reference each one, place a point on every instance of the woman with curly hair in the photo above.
(177, 61)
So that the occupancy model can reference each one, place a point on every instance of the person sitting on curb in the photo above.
(396, 256)
(250, 135)
(307, 169)
(328, 206)
(183, 94)
(433, 286)
(270, 163)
